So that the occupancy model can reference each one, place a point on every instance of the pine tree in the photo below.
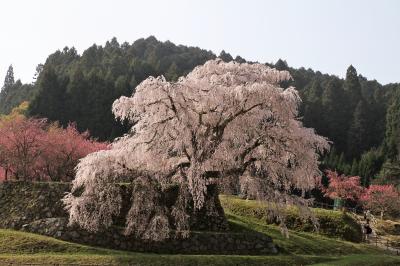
(352, 87)
(226, 57)
(240, 59)
(39, 69)
(9, 79)
(281, 65)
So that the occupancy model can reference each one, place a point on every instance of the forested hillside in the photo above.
(81, 88)
(361, 117)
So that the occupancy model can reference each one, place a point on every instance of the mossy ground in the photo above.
(302, 248)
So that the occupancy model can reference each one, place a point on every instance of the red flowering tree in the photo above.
(62, 149)
(342, 187)
(21, 146)
(31, 149)
(381, 199)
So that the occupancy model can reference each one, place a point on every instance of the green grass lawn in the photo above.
(301, 248)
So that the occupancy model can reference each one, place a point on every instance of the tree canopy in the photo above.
(221, 119)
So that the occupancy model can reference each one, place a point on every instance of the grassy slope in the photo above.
(334, 224)
(25, 248)
(300, 249)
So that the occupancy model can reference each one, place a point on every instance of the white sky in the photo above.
(324, 35)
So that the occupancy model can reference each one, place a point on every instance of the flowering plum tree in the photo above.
(20, 146)
(381, 199)
(343, 187)
(221, 119)
(62, 149)
(31, 149)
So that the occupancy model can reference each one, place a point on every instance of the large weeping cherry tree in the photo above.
(222, 119)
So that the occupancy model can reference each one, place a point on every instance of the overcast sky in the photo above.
(323, 35)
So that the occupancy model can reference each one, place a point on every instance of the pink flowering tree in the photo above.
(31, 149)
(20, 147)
(381, 199)
(343, 187)
(221, 119)
(62, 149)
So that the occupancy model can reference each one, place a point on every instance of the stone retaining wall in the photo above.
(197, 243)
(23, 202)
(37, 208)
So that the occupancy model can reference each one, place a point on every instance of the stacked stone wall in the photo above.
(37, 208)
